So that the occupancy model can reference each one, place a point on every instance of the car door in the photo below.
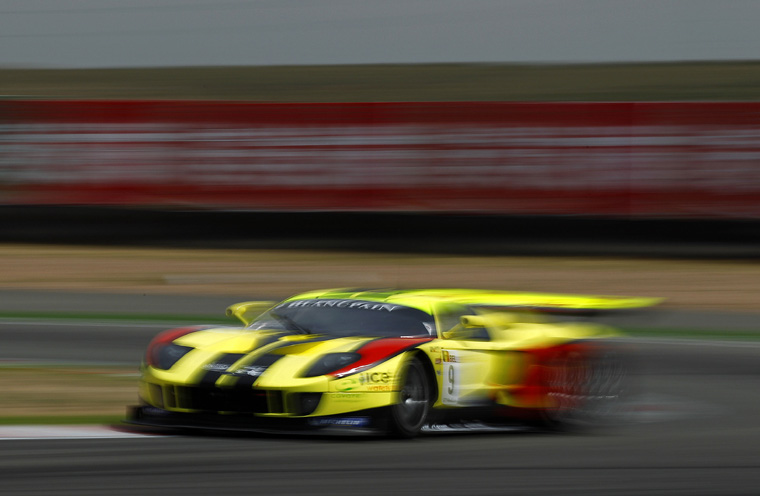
(468, 358)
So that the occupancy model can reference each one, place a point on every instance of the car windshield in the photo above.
(339, 317)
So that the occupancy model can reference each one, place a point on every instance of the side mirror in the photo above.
(470, 321)
(247, 311)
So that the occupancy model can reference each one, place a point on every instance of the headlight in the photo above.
(331, 362)
(165, 356)
(162, 353)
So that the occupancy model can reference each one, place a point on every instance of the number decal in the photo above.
(462, 376)
(452, 383)
(451, 379)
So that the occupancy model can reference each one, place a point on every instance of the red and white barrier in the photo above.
(647, 159)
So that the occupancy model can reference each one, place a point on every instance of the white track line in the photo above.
(26, 432)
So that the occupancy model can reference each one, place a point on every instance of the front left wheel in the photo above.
(410, 411)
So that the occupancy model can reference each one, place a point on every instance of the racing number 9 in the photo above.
(450, 376)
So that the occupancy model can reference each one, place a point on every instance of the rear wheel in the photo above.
(412, 406)
(586, 389)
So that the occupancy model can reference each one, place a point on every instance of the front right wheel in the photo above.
(410, 411)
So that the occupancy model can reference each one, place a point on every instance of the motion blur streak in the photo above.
(638, 160)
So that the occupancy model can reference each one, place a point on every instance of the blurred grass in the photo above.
(65, 420)
(70, 394)
(426, 82)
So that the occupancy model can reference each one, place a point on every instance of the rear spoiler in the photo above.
(248, 311)
(557, 303)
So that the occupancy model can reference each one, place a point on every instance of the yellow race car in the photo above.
(394, 361)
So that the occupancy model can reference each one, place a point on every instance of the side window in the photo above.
(449, 318)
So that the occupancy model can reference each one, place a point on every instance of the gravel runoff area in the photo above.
(705, 285)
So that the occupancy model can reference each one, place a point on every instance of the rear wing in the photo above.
(557, 303)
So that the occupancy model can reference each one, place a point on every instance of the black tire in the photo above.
(410, 411)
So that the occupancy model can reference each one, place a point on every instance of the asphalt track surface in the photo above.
(691, 429)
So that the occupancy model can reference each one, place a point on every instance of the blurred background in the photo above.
(495, 120)
(161, 159)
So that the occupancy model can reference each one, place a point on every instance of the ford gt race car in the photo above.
(394, 361)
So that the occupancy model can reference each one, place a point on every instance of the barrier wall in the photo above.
(646, 159)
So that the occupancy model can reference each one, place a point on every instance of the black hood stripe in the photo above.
(218, 366)
(250, 370)
(248, 374)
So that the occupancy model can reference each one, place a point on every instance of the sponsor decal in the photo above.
(380, 387)
(347, 397)
(340, 422)
(249, 373)
(216, 367)
(151, 410)
(364, 305)
(375, 377)
(437, 361)
(449, 357)
(371, 381)
(348, 384)
(248, 370)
